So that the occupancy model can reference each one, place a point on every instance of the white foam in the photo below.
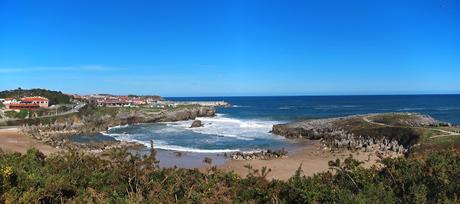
(113, 134)
(159, 144)
(410, 109)
(225, 127)
(240, 106)
(117, 127)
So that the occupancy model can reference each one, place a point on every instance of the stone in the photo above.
(196, 123)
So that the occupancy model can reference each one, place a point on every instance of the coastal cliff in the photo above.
(389, 131)
(96, 119)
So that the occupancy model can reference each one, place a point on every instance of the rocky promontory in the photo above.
(389, 131)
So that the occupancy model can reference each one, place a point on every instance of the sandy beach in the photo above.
(312, 158)
(12, 141)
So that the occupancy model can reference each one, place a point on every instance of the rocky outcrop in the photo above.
(389, 131)
(260, 155)
(196, 123)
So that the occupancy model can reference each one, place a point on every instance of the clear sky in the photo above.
(235, 47)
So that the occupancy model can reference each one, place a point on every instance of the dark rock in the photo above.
(261, 155)
(196, 123)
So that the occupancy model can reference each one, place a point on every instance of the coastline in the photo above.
(310, 156)
(57, 132)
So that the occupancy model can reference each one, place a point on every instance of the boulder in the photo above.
(196, 123)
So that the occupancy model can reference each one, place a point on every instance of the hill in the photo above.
(55, 97)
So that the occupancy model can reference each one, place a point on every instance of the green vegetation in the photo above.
(406, 136)
(2, 105)
(392, 119)
(17, 115)
(100, 111)
(55, 97)
(120, 177)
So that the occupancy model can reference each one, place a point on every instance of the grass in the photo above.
(445, 140)
(101, 111)
(393, 119)
(151, 109)
(17, 115)
(452, 129)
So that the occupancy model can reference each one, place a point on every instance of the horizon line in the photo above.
(314, 95)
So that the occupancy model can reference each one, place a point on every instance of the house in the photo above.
(40, 101)
(31, 103)
(112, 103)
(8, 101)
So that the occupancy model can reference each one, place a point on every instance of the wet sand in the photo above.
(12, 141)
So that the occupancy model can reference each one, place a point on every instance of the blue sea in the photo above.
(246, 124)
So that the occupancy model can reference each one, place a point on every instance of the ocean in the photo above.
(246, 124)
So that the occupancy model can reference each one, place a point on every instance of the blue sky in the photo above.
(235, 47)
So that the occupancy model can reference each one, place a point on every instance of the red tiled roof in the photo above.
(29, 99)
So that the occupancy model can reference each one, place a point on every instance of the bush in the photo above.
(121, 177)
(19, 115)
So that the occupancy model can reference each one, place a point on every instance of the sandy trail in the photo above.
(448, 133)
(12, 141)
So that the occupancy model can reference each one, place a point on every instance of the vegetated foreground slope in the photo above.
(119, 176)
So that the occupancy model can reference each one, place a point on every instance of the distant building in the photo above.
(30, 103)
(40, 101)
(112, 103)
(8, 101)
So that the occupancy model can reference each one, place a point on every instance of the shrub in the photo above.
(122, 177)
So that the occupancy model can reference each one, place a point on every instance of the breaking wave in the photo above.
(240, 106)
(228, 127)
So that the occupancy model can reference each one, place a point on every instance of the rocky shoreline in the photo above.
(57, 133)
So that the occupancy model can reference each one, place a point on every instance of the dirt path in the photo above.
(448, 133)
(12, 141)
(366, 118)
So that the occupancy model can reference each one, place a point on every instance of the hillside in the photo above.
(55, 97)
